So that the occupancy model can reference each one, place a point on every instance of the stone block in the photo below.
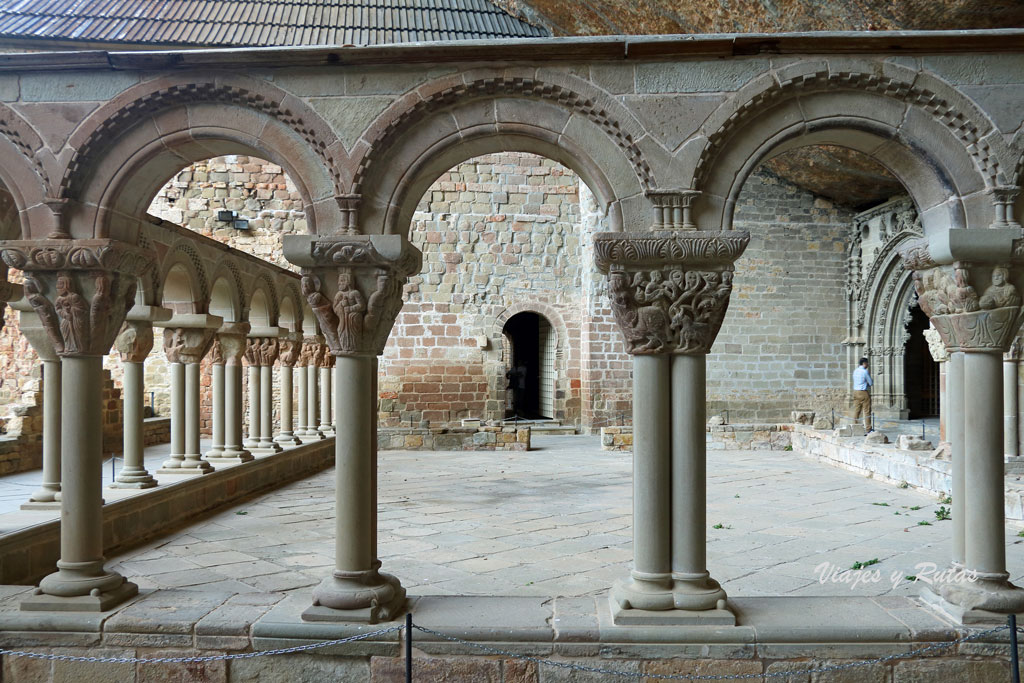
(300, 668)
(822, 423)
(802, 417)
(876, 438)
(436, 669)
(943, 669)
(909, 442)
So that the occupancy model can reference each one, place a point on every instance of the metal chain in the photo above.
(706, 677)
(190, 660)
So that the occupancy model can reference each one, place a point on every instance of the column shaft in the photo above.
(985, 550)
(689, 468)
(177, 456)
(217, 411)
(325, 401)
(233, 418)
(80, 569)
(193, 454)
(955, 430)
(302, 429)
(254, 408)
(47, 492)
(286, 436)
(133, 474)
(1010, 407)
(267, 410)
(312, 391)
(652, 508)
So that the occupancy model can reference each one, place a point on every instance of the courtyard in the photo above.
(556, 521)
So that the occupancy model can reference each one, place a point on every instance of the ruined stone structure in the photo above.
(663, 263)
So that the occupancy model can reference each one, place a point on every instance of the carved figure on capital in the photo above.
(81, 290)
(187, 344)
(289, 351)
(232, 348)
(962, 318)
(135, 341)
(261, 351)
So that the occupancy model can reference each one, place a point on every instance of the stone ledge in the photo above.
(29, 554)
(483, 438)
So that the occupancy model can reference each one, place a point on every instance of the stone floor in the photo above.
(557, 521)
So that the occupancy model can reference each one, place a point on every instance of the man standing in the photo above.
(862, 393)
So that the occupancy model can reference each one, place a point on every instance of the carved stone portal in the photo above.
(669, 291)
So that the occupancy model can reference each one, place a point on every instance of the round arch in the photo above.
(454, 120)
(225, 299)
(183, 285)
(927, 140)
(129, 147)
(24, 175)
(262, 311)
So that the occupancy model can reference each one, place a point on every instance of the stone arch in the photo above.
(451, 120)
(127, 148)
(291, 309)
(497, 353)
(942, 148)
(263, 303)
(24, 175)
(226, 295)
(183, 269)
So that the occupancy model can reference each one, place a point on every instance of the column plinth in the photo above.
(669, 293)
(80, 290)
(353, 284)
(977, 331)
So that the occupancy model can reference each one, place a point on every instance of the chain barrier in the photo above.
(191, 660)
(705, 677)
(504, 653)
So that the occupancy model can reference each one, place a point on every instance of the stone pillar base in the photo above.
(94, 602)
(287, 439)
(662, 600)
(184, 471)
(370, 597)
(966, 616)
(264, 449)
(311, 437)
(34, 505)
(230, 457)
(128, 479)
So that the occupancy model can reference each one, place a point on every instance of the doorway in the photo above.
(530, 366)
(920, 371)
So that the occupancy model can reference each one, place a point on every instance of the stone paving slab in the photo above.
(556, 521)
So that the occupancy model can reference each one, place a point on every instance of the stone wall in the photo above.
(483, 438)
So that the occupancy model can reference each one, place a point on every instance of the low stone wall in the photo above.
(29, 554)
(482, 438)
(156, 430)
(739, 437)
(921, 470)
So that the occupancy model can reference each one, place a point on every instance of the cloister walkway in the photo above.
(557, 521)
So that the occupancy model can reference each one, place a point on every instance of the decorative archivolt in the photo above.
(965, 129)
(258, 96)
(23, 136)
(183, 253)
(505, 86)
(266, 282)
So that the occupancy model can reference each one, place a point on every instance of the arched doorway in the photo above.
(530, 366)
(921, 372)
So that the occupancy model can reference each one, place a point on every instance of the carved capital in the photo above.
(232, 347)
(261, 351)
(187, 344)
(135, 341)
(1003, 198)
(964, 320)
(80, 289)
(669, 291)
(935, 346)
(289, 350)
(1014, 352)
(354, 286)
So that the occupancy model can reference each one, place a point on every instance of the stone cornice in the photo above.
(690, 248)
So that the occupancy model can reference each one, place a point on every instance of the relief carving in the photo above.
(232, 348)
(669, 292)
(134, 342)
(310, 348)
(289, 351)
(187, 344)
(261, 351)
(216, 352)
(355, 291)
(79, 289)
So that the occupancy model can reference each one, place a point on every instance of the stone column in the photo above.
(251, 358)
(955, 392)
(187, 339)
(302, 428)
(1010, 409)
(47, 497)
(980, 329)
(217, 402)
(327, 364)
(262, 351)
(80, 290)
(354, 285)
(669, 293)
(289, 349)
(312, 387)
(134, 344)
(231, 339)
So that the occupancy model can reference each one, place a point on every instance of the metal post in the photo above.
(408, 647)
(833, 418)
(1014, 658)
(113, 473)
(922, 429)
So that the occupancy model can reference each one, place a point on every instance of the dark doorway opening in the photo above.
(920, 371)
(530, 366)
